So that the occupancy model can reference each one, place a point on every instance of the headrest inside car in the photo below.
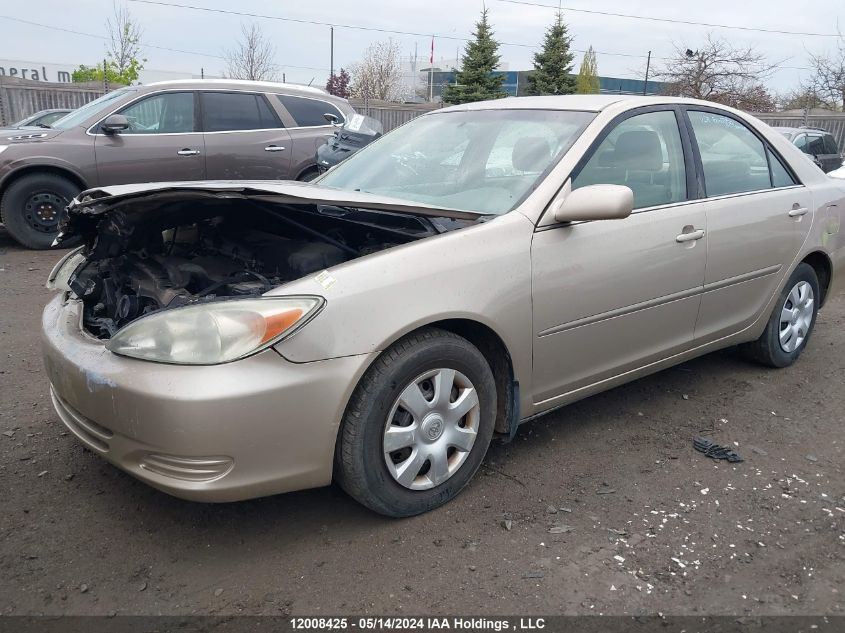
(638, 150)
(531, 153)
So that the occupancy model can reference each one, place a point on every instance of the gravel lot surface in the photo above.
(602, 507)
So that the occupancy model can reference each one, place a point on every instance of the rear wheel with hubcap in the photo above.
(33, 205)
(418, 425)
(791, 323)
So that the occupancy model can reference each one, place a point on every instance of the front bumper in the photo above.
(254, 427)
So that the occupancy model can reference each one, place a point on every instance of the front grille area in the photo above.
(187, 468)
(91, 433)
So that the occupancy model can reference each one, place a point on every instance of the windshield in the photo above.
(483, 161)
(80, 115)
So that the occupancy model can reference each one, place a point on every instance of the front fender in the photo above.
(480, 273)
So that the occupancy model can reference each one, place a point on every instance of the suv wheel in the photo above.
(32, 206)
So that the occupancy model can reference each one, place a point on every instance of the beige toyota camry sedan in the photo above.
(479, 266)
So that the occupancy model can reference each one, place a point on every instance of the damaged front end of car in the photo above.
(173, 248)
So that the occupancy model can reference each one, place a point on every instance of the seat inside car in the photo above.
(636, 160)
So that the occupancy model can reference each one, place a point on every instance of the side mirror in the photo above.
(595, 202)
(115, 123)
(331, 118)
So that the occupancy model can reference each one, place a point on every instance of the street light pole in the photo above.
(647, 66)
(331, 53)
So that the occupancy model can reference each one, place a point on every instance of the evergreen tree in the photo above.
(587, 82)
(552, 73)
(476, 80)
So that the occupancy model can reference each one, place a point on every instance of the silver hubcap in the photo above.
(796, 316)
(431, 429)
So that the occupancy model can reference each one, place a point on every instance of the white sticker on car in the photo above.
(325, 279)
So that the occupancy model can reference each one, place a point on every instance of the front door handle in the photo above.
(188, 152)
(798, 212)
(274, 148)
(691, 236)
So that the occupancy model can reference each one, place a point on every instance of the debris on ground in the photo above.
(715, 451)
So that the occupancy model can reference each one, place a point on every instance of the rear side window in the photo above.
(780, 176)
(233, 111)
(733, 158)
(309, 112)
(830, 145)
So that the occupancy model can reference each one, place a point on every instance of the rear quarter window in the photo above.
(309, 112)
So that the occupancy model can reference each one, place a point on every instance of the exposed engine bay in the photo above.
(177, 252)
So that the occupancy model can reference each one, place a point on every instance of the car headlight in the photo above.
(59, 277)
(3, 148)
(215, 332)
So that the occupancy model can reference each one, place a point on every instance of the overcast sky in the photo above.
(305, 45)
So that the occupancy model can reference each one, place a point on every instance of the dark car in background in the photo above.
(167, 131)
(43, 118)
(817, 143)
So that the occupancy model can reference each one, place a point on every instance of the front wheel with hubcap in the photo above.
(792, 320)
(33, 205)
(418, 425)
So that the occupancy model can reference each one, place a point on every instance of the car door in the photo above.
(244, 138)
(610, 296)
(758, 215)
(162, 143)
(310, 128)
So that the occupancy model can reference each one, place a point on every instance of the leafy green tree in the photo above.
(123, 59)
(476, 80)
(587, 82)
(112, 74)
(552, 73)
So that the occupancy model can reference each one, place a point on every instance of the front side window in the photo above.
(92, 108)
(234, 111)
(643, 152)
(310, 112)
(733, 158)
(483, 161)
(165, 113)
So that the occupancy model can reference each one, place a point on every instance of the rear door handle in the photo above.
(797, 213)
(188, 152)
(274, 148)
(691, 236)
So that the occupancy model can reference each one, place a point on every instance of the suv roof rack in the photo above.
(814, 129)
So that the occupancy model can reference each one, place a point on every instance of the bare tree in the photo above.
(828, 78)
(718, 71)
(379, 74)
(253, 56)
(124, 45)
(804, 98)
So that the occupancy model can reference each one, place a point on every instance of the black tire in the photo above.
(30, 195)
(309, 175)
(360, 464)
(767, 349)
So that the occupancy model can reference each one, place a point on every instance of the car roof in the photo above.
(582, 103)
(239, 84)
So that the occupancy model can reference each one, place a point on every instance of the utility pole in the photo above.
(647, 67)
(331, 52)
(202, 73)
(105, 76)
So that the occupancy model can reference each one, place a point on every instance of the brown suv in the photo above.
(167, 131)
